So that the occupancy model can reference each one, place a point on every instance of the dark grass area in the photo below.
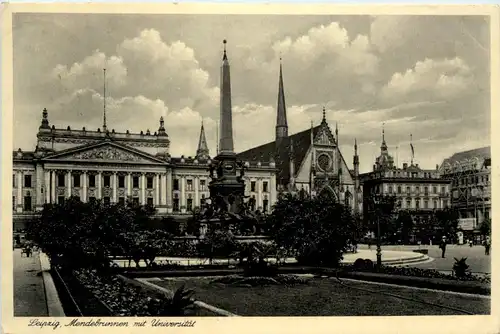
(325, 297)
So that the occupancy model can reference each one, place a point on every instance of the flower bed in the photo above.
(416, 272)
(125, 299)
(238, 280)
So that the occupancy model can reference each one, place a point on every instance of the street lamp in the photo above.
(376, 202)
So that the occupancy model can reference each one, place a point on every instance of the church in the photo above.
(120, 166)
(309, 161)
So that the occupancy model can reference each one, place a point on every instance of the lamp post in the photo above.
(376, 202)
(379, 248)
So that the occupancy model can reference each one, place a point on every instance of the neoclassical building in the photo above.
(120, 166)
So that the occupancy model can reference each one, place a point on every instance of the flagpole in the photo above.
(412, 150)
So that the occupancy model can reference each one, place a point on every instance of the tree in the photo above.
(381, 214)
(485, 227)
(405, 225)
(317, 230)
(92, 232)
(447, 222)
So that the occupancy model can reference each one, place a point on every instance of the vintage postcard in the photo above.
(249, 168)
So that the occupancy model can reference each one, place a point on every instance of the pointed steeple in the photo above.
(356, 157)
(226, 115)
(202, 153)
(383, 147)
(281, 122)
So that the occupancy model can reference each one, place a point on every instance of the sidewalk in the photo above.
(29, 290)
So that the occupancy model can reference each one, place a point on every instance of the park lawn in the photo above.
(324, 297)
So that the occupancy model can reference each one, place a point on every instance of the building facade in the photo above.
(419, 191)
(470, 175)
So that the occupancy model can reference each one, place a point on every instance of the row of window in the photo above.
(76, 182)
(189, 185)
(399, 190)
(471, 180)
(426, 204)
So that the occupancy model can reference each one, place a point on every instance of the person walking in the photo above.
(442, 245)
(487, 245)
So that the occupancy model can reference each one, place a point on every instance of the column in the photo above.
(272, 190)
(196, 191)
(20, 199)
(84, 186)
(169, 191)
(53, 187)
(143, 189)
(114, 181)
(68, 183)
(157, 189)
(99, 185)
(183, 194)
(47, 186)
(39, 177)
(163, 189)
(259, 193)
(128, 183)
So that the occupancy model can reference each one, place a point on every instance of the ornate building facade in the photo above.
(309, 161)
(121, 166)
(420, 191)
(470, 175)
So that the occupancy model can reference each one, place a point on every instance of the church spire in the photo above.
(226, 117)
(202, 153)
(383, 147)
(281, 122)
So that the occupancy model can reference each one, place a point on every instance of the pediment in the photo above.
(324, 137)
(105, 153)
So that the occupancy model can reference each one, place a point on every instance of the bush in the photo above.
(461, 268)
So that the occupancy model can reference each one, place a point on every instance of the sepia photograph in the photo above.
(182, 165)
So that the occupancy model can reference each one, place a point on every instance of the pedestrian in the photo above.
(442, 245)
(470, 243)
(487, 245)
(369, 244)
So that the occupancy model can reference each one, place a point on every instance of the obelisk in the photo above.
(226, 113)
(227, 185)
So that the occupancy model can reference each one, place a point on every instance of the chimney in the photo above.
(437, 167)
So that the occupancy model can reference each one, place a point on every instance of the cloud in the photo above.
(417, 74)
(430, 79)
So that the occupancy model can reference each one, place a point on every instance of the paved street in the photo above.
(29, 291)
(476, 259)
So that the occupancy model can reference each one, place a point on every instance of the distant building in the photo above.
(309, 161)
(420, 191)
(470, 175)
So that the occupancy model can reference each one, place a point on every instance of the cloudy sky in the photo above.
(424, 75)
